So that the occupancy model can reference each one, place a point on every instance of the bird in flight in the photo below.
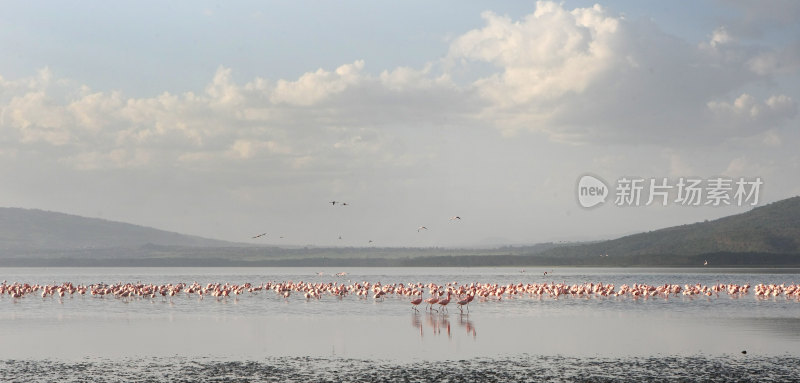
(456, 217)
(333, 203)
(422, 228)
(260, 235)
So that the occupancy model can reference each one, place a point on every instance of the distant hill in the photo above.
(765, 236)
(30, 237)
(773, 228)
(26, 230)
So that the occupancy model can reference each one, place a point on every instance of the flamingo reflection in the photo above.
(430, 319)
(416, 322)
(437, 323)
(445, 322)
(463, 320)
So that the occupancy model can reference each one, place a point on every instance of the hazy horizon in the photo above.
(226, 121)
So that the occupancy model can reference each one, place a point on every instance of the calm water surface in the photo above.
(252, 327)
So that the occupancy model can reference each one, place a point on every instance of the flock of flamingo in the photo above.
(438, 296)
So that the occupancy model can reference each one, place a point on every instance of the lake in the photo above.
(263, 326)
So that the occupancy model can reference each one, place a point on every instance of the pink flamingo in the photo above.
(464, 303)
(443, 303)
(432, 301)
(416, 303)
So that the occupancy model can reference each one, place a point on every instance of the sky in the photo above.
(231, 119)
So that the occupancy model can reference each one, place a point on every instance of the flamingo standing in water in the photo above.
(464, 303)
(416, 303)
(443, 304)
(432, 301)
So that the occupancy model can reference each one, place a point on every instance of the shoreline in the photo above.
(686, 368)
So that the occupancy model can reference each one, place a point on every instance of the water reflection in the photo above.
(444, 322)
(440, 337)
(438, 323)
(464, 321)
(417, 323)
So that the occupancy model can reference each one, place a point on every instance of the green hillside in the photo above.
(772, 229)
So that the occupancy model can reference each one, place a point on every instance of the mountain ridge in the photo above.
(773, 228)
(767, 235)
(35, 229)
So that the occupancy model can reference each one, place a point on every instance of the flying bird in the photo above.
(260, 235)
(421, 228)
(333, 203)
(456, 217)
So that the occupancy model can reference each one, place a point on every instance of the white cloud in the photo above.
(116, 158)
(288, 122)
(720, 36)
(94, 111)
(746, 112)
(679, 166)
(549, 53)
(222, 90)
(776, 61)
(35, 120)
(245, 149)
(311, 88)
(580, 76)
(585, 75)
(405, 78)
(771, 138)
(747, 167)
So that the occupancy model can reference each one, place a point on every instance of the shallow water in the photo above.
(264, 325)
